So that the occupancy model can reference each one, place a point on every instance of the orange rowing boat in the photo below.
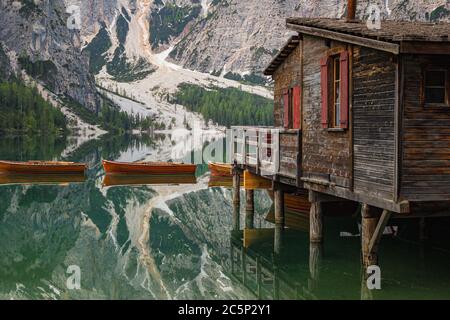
(220, 169)
(156, 168)
(41, 167)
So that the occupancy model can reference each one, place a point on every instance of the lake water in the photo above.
(177, 242)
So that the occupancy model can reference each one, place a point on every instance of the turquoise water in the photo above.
(176, 242)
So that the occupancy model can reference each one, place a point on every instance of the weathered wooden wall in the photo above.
(326, 153)
(287, 75)
(426, 137)
(290, 153)
(374, 96)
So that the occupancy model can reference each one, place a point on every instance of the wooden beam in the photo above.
(253, 181)
(381, 225)
(338, 36)
(418, 47)
(322, 197)
(399, 207)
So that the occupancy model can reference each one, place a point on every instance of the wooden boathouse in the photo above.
(362, 117)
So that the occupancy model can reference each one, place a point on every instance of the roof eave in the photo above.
(286, 50)
(393, 48)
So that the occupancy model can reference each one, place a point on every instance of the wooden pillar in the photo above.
(279, 207)
(366, 293)
(315, 223)
(236, 199)
(279, 220)
(249, 209)
(369, 221)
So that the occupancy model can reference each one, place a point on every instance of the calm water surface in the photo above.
(176, 242)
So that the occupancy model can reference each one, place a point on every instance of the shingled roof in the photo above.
(394, 36)
(283, 54)
(391, 31)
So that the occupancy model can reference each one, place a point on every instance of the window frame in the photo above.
(292, 117)
(333, 56)
(435, 67)
(333, 110)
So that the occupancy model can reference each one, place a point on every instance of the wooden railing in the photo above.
(269, 150)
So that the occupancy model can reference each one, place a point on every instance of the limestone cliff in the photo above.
(35, 37)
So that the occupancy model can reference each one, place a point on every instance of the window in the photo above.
(292, 108)
(436, 86)
(334, 90)
(336, 107)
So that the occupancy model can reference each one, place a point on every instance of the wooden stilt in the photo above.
(369, 220)
(379, 230)
(315, 223)
(249, 209)
(236, 199)
(279, 219)
(366, 293)
(279, 207)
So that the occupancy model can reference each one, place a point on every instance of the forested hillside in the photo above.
(24, 111)
(226, 106)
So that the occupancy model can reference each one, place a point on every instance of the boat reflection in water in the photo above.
(225, 182)
(41, 179)
(112, 180)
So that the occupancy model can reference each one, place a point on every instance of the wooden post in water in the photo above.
(369, 221)
(249, 209)
(279, 219)
(236, 198)
(315, 223)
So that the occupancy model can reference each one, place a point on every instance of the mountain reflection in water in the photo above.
(143, 239)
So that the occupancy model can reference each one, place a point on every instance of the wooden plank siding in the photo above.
(288, 75)
(374, 96)
(290, 153)
(426, 137)
(326, 154)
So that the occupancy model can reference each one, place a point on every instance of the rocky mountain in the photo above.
(35, 37)
(238, 39)
(127, 40)
(227, 38)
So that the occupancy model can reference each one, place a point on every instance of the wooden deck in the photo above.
(268, 152)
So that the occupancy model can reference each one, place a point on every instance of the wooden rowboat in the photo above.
(41, 179)
(154, 168)
(41, 167)
(112, 180)
(220, 169)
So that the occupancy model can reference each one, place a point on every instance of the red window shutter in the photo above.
(286, 108)
(344, 60)
(297, 112)
(324, 63)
